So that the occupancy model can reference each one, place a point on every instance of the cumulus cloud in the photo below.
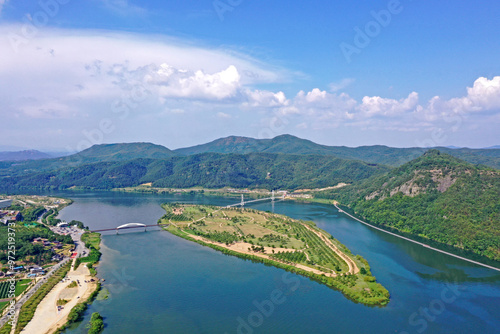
(84, 71)
(483, 96)
(378, 106)
(79, 75)
(262, 98)
(177, 83)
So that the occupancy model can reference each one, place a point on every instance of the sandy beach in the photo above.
(47, 317)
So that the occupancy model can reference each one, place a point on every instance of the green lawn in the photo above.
(22, 285)
(93, 239)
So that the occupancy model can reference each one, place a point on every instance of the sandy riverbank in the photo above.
(47, 318)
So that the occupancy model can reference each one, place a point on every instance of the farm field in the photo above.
(293, 245)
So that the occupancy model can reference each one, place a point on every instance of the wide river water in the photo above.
(160, 283)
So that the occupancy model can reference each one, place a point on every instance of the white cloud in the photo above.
(173, 82)
(378, 106)
(337, 86)
(223, 115)
(123, 7)
(262, 98)
(483, 96)
(83, 76)
(89, 70)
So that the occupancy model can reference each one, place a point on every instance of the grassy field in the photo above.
(28, 309)
(93, 239)
(22, 285)
(279, 240)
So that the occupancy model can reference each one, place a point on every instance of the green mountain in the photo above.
(377, 154)
(23, 155)
(96, 153)
(243, 145)
(210, 170)
(123, 152)
(435, 196)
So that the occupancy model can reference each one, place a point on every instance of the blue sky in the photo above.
(179, 73)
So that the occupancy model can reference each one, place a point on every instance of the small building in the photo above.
(10, 216)
(36, 270)
(18, 268)
(57, 258)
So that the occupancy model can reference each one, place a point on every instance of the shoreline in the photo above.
(358, 287)
(414, 241)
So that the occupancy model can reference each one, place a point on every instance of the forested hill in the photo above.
(378, 154)
(96, 153)
(210, 170)
(23, 155)
(284, 144)
(435, 196)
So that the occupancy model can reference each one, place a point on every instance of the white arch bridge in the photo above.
(126, 227)
(144, 226)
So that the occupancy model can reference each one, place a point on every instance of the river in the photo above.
(160, 283)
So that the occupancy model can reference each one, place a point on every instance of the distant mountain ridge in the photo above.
(377, 154)
(284, 144)
(23, 155)
(96, 153)
(124, 151)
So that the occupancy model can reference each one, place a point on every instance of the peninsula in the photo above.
(290, 244)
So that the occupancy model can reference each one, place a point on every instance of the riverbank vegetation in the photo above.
(435, 197)
(96, 324)
(27, 311)
(92, 242)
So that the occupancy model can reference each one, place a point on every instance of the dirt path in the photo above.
(47, 318)
(353, 268)
(242, 247)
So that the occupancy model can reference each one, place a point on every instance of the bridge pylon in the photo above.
(272, 196)
(242, 200)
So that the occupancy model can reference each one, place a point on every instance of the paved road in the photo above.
(32, 291)
(76, 234)
(418, 243)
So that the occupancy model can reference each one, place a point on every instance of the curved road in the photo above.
(416, 242)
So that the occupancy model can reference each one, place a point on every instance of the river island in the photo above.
(294, 245)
